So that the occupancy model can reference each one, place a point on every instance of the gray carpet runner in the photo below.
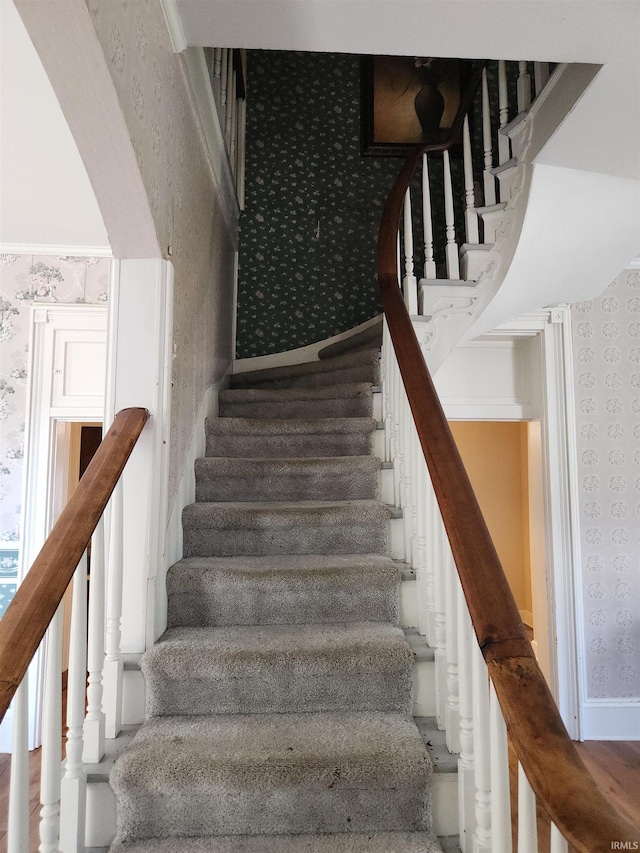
(279, 699)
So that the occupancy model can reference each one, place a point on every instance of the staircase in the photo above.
(279, 700)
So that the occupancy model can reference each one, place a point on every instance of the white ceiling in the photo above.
(45, 194)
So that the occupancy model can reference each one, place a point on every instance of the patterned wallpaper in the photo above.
(25, 279)
(606, 334)
(166, 135)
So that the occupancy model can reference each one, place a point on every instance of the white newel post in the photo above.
(488, 180)
(73, 794)
(429, 262)
(409, 281)
(18, 815)
(470, 213)
(51, 739)
(451, 249)
(94, 724)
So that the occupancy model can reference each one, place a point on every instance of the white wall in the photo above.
(46, 197)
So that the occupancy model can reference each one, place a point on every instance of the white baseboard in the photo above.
(610, 719)
(300, 355)
(185, 495)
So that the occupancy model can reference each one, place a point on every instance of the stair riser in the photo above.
(282, 447)
(279, 487)
(245, 806)
(279, 690)
(361, 373)
(358, 407)
(294, 539)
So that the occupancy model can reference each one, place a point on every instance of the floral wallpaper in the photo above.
(157, 102)
(606, 336)
(25, 279)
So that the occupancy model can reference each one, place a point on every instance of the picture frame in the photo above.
(407, 101)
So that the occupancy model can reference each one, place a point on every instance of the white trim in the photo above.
(527, 618)
(300, 355)
(634, 264)
(611, 719)
(55, 250)
(174, 25)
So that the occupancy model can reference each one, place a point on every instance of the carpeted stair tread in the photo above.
(283, 527)
(349, 400)
(361, 366)
(379, 842)
(326, 478)
(366, 339)
(290, 437)
(273, 774)
(286, 589)
(279, 668)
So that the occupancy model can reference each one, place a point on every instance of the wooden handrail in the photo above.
(37, 598)
(563, 785)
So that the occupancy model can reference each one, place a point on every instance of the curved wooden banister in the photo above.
(37, 598)
(560, 780)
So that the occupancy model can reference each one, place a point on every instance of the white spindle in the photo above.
(420, 551)
(409, 512)
(433, 519)
(524, 87)
(481, 749)
(51, 739)
(73, 797)
(452, 718)
(398, 393)
(466, 784)
(94, 722)
(224, 71)
(229, 100)
(441, 547)
(409, 281)
(500, 802)
(488, 180)
(451, 249)
(540, 76)
(504, 146)
(559, 844)
(18, 815)
(527, 821)
(387, 358)
(113, 663)
(429, 262)
(217, 72)
(470, 214)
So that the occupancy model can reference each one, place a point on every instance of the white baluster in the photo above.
(470, 214)
(433, 520)
(559, 844)
(439, 589)
(217, 73)
(409, 512)
(51, 739)
(224, 71)
(500, 802)
(523, 87)
(488, 180)
(540, 76)
(73, 795)
(481, 749)
(452, 718)
(398, 394)
(113, 663)
(230, 100)
(451, 249)
(504, 143)
(466, 783)
(94, 731)
(527, 820)
(420, 551)
(429, 262)
(409, 282)
(18, 815)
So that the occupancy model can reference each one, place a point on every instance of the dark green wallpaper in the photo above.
(307, 235)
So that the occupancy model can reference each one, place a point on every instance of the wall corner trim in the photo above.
(174, 25)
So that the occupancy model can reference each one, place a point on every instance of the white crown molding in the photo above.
(61, 251)
(174, 25)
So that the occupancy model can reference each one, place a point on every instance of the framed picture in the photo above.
(408, 101)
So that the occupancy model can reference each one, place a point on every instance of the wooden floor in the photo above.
(615, 765)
